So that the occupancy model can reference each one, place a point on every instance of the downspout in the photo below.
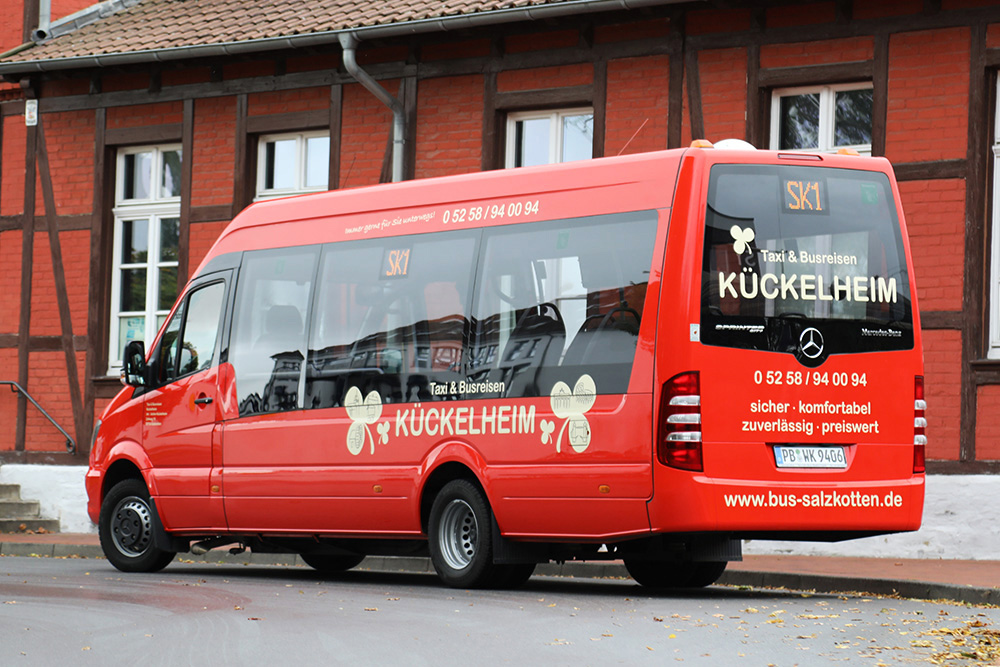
(349, 42)
(41, 33)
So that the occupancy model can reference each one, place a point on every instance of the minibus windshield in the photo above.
(788, 248)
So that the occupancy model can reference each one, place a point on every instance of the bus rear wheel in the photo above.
(125, 526)
(460, 529)
(675, 574)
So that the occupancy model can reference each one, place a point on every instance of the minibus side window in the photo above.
(390, 317)
(557, 300)
(268, 340)
(188, 343)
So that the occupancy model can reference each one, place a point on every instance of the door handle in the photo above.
(204, 400)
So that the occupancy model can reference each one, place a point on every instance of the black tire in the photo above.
(460, 529)
(675, 574)
(513, 576)
(331, 563)
(125, 526)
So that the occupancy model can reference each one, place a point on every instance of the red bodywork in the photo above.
(290, 473)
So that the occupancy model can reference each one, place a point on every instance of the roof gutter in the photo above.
(420, 26)
(349, 42)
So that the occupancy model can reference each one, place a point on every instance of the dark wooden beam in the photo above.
(148, 134)
(929, 171)
(600, 103)
(942, 319)
(545, 98)
(880, 94)
(335, 123)
(100, 254)
(974, 274)
(29, 21)
(492, 134)
(187, 171)
(55, 343)
(754, 130)
(213, 213)
(410, 89)
(27, 253)
(65, 223)
(62, 292)
(694, 94)
(242, 161)
(675, 94)
(785, 77)
(288, 122)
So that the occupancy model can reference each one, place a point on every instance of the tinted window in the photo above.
(269, 336)
(188, 342)
(560, 299)
(792, 248)
(391, 317)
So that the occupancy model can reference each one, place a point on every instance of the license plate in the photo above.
(800, 456)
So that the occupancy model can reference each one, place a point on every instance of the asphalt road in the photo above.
(82, 612)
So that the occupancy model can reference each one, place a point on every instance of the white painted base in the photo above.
(961, 517)
(58, 489)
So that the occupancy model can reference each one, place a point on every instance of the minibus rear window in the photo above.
(789, 248)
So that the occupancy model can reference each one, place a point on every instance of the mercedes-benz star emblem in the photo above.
(811, 343)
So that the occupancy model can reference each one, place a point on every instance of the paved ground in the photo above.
(969, 581)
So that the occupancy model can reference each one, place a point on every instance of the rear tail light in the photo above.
(919, 425)
(679, 443)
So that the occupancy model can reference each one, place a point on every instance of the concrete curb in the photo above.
(579, 570)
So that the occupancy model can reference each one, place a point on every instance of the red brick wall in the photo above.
(545, 77)
(450, 130)
(364, 130)
(48, 385)
(637, 102)
(70, 137)
(942, 390)
(988, 423)
(935, 218)
(8, 399)
(928, 95)
(866, 9)
(202, 237)
(143, 115)
(826, 52)
(10, 282)
(722, 75)
(75, 247)
(287, 101)
(214, 152)
(12, 166)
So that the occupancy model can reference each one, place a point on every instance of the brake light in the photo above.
(679, 444)
(919, 425)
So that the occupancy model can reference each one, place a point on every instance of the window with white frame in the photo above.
(822, 118)
(146, 240)
(546, 137)
(291, 164)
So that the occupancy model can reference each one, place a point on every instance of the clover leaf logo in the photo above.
(571, 406)
(364, 412)
(742, 239)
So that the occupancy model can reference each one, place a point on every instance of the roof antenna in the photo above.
(633, 137)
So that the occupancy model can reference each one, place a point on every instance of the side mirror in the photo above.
(134, 364)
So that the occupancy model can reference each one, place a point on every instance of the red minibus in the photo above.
(645, 358)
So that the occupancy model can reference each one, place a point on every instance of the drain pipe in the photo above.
(41, 33)
(349, 42)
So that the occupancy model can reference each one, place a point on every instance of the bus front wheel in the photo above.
(675, 574)
(125, 526)
(461, 536)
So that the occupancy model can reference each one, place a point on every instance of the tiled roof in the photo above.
(158, 26)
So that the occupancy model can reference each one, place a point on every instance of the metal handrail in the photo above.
(15, 387)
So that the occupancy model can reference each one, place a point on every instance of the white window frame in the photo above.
(993, 351)
(827, 115)
(555, 117)
(299, 187)
(153, 208)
